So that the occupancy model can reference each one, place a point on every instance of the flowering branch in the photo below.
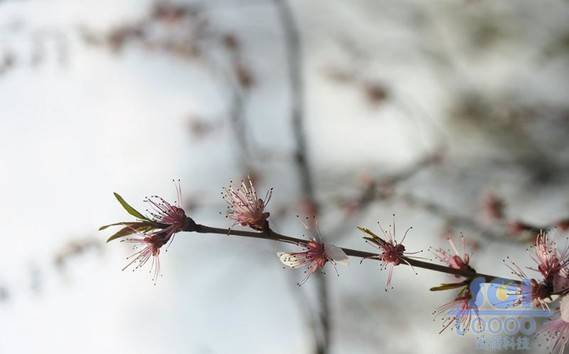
(271, 235)
(164, 220)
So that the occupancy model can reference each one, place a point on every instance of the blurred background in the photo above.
(453, 115)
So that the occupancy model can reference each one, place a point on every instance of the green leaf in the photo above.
(367, 231)
(128, 230)
(449, 286)
(117, 224)
(130, 209)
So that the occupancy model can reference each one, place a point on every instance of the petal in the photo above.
(564, 308)
(292, 260)
(336, 254)
(560, 283)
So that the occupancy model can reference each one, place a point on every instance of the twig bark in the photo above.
(274, 236)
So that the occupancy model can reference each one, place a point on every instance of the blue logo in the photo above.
(501, 309)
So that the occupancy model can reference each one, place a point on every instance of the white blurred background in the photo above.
(422, 109)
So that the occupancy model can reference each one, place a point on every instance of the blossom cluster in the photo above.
(150, 232)
(162, 220)
(552, 280)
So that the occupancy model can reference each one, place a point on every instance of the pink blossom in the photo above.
(147, 246)
(561, 282)
(165, 213)
(392, 253)
(245, 208)
(458, 311)
(455, 259)
(168, 218)
(551, 263)
(557, 331)
(151, 232)
(538, 293)
(172, 218)
(314, 257)
(162, 216)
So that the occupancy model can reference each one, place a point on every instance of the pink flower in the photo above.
(552, 264)
(392, 253)
(151, 232)
(245, 208)
(459, 311)
(561, 282)
(165, 213)
(531, 291)
(314, 257)
(549, 261)
(147, 246)
(455, 259)
(557, 331)
(162, 216)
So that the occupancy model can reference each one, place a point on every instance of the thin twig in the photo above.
(274, 236)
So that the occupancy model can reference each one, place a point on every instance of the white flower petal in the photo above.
(564, 308)
(291, 260)
(336, 254)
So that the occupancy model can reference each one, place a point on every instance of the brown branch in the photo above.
(274, 236)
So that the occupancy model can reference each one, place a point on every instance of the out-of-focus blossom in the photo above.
(375, 92)
(392, 253)
(314, 257)
(520, 228)
(170, 13)
(557, 331)
(493, 207)
(245, 207)
(563, 225)
(244, 75)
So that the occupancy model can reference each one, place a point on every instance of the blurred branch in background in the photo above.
(24, 47)
(377, 189)
(309, 204)
(484, 93)
(75, 249)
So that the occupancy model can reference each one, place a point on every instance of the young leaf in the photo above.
(447, 286)
(130, 209)
(128, 230)
(367, 231)
(117, 224)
